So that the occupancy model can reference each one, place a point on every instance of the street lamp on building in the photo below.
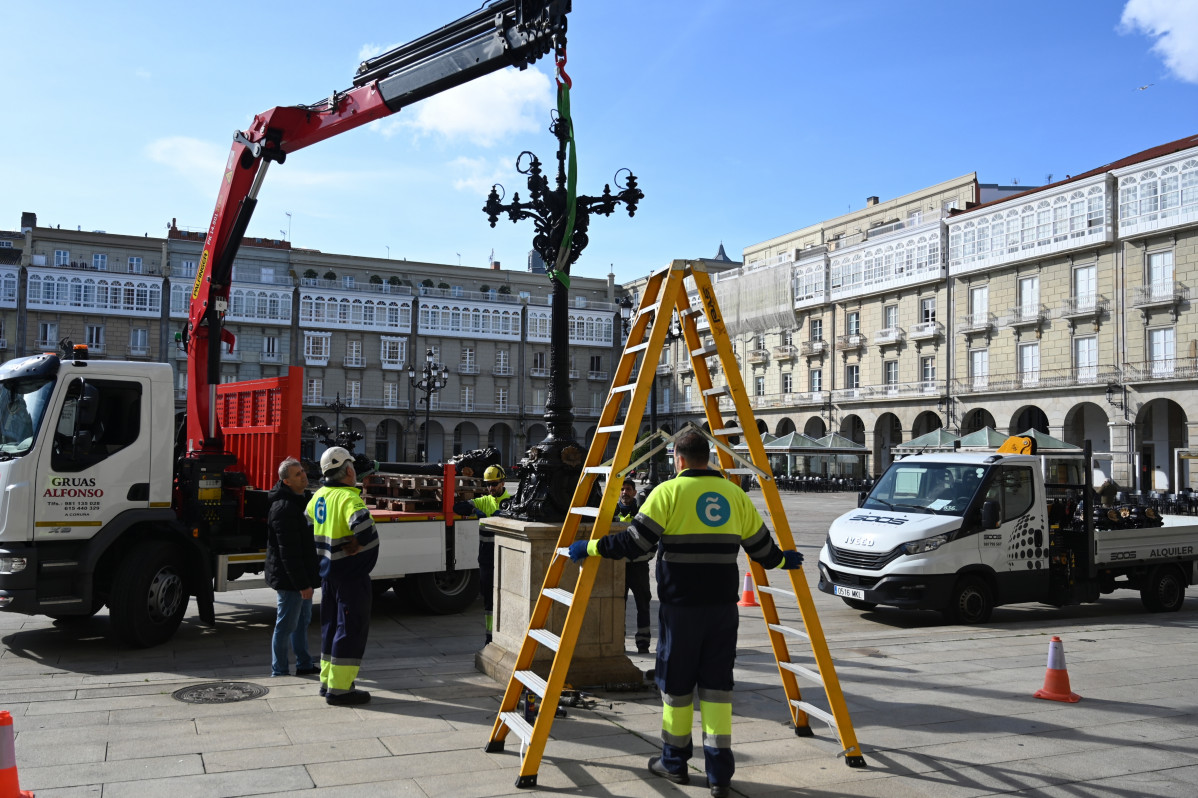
(433, 377)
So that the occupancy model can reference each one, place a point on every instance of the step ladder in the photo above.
(665, 293)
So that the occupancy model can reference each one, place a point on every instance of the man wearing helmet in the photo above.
(483, 506)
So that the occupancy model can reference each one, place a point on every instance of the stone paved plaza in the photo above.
(939, 710)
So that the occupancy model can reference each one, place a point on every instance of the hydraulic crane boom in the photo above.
(501, 34)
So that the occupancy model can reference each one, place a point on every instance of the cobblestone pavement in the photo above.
(939, 710)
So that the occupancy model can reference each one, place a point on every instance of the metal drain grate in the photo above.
(219, 692)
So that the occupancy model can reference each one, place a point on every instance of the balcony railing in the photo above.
(269, 357)
(890, 335)
(1038, 379)
(467, 368)
(1084, 306)
(573, 374)
(785, 352)
(976, 322)
(925, 330)
(356, 287)
(893, 390)
(3, 344)
(316, 360)
(850, 342)
(1177, 368)
(759, 355)
(502, 371)
(1025, 315)
(665, 368)
(144, 351)
(601, 376)
(311, 400)
(816, 346)
(536, 372)
(354, 362)
(1164, 292)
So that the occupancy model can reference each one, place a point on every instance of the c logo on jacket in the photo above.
(713, 509)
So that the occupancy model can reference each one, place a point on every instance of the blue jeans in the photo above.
(295, 614)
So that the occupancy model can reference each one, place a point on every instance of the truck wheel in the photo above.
(149, 594)
(443, 593)
(1163, 590)
(971, 602)
(858, 604)
(379, 587)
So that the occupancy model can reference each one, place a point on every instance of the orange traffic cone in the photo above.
(1056, 679)
(747, 599)
(9, 787)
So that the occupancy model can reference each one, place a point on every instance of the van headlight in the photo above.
(925, 545)
(13, 565)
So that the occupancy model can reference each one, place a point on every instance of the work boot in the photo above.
(351, 699)
(658, 769)
(719, 790)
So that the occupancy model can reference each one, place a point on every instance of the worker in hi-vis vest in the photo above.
(348, 545)
(484, 506)
(697, 523)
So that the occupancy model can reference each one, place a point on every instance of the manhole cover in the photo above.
(219, 692)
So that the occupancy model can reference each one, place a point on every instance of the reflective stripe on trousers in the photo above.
(344, 627)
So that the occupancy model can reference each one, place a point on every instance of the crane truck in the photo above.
(962, 533)
(102, 503)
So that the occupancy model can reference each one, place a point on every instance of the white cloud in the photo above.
(200, 162)
(1174, 25)
(371, 50)
(144, 74)
(476, 175)
(483, 111)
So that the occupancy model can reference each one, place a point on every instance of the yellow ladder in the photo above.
(665, 293)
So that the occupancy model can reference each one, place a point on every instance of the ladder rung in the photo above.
(641, 347)
(559, 595)
(694, 310)
(604, 470)
(624, 388)
(546, 638)
(704, 351)
(728, 431)
(801, 671)
(787, 630)
(533, 682)
(612, 428)
(589, 512)
(826, 717)
(777, 591)
(516, 722)
(740, 471)
(721, 391)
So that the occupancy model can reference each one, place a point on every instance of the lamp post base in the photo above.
(549, 475)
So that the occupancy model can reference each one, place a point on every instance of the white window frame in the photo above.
(316, 348)
(1028, 361)
(1085, 358)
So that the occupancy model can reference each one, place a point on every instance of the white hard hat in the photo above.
(334, 458)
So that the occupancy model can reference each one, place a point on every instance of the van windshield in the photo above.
(23, 404)
(938, 488)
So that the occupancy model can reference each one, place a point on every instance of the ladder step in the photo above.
(787, 630)
(777, 591)
(516, 722)
(533, 682)
(589, 512)
(826, 717)
(604, 470)
(612, 428)
(728, 431)
(694, 310)
(801, 671)
(624, 388)
(559, 595)
(705, 351)
(546, 638)
(721, 391)
(740, 471)
(641, 347)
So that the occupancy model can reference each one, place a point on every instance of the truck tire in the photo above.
(1164, 590)
(443, 593)
(971, 602)
(858, 604)
(379, 587)
(149, 594)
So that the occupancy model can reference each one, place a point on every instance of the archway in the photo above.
(926, 422)
(536, 434)
(354, 424)
(500, 437)
(388, 441)
(436, 443)
(853, 428)
(888, 433)
(762, 427)
(1160, 430)
(976, 419)
(785, 427)
(310, 447)
(591, 436)
(465, 437)
(815, 427)
(1030, 417)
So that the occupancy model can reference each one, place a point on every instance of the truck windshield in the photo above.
(938, 488)
(23, 405)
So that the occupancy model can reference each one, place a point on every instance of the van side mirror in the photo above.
(861, 497)
(991, 518)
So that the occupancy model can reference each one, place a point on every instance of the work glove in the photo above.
(791, 560)
(465, 509)
(578, 551)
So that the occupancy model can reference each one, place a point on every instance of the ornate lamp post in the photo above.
(561, 219)
(434, 377)
(335, 436)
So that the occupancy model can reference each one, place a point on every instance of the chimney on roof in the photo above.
(494, 264)
(28, 221)
(871, 201)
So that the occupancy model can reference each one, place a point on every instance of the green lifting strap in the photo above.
(557, 271)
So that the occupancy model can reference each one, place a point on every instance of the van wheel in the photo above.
(1163, 590)
(971, 602)
(443, 593)
(149, 594)
(858, 604)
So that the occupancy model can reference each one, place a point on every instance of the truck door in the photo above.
(98, 462)
(1018, 549)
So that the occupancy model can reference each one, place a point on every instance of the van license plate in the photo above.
(850, 592)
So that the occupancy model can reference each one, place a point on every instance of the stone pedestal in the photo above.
(523, 550)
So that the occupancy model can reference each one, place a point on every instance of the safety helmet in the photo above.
(334, 458)
(494, 474)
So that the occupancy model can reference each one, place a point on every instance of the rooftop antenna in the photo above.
(1048, 178)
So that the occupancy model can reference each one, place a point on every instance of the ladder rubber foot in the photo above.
(527, 782)
(800, 731)
(494, 747)
(855, 761)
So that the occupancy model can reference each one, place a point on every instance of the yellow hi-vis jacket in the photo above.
(336, 513)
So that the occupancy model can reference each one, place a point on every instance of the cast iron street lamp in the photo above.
(434, 377)
(555, 465)
(336, 436)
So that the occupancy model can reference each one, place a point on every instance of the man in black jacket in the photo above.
(291, 569)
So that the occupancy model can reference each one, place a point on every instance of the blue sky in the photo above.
(743, 119)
